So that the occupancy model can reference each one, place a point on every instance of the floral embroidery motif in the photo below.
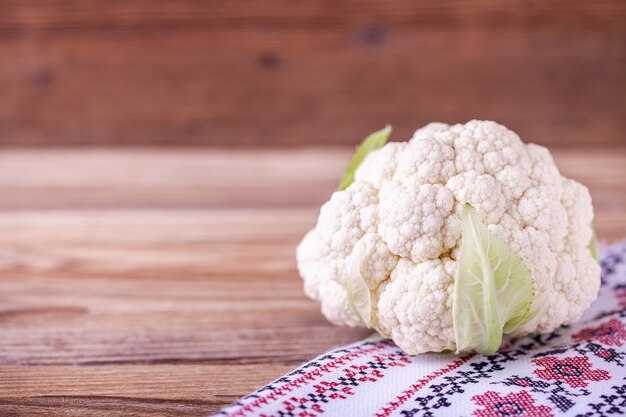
(558, 393)
(574, 371)
(611, 333)
(510, 405)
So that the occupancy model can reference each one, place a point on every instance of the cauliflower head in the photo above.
(393, 238)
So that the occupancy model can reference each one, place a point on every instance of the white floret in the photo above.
(378, 262)
(544, 171)
(482, 191)
(426, 161)
(575, 286)
(343, 220)
(310, 263)
(540, 208)
(415, 221)
(487, 147)
(576, 202)
(318, 285)
(380, 165)
(419, 326)
(439, 131)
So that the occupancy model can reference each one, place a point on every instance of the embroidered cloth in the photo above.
(579, 370)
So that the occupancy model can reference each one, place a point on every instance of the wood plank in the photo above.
(227, 73)
(79, 391)
(156, 287)
(85, 15)
(222, 178)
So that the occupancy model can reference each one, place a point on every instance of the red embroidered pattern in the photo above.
(611, 333)
(513, 404)
(574, 371)
(303, 380)
(341, 388)
(409, 392)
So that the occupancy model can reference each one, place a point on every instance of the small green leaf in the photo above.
(373, 141)
(493, 289)
(359, 296)
(593, 245)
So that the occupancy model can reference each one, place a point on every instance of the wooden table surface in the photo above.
(163, 282)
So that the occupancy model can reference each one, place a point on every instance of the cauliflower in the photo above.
(452, 239)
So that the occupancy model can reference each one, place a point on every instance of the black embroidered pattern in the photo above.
(613, 404)
(482, 369)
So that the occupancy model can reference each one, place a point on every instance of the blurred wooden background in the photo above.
(278, 72)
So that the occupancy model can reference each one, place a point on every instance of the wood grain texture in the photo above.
(163, 283)
(147, 389)
(309, 72)
(226, 178)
